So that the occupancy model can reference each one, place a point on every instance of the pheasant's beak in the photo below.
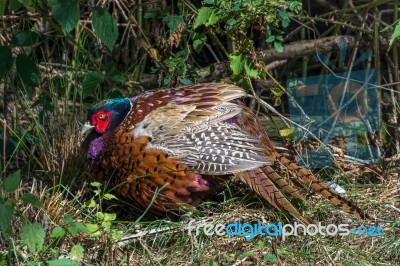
(86, 127)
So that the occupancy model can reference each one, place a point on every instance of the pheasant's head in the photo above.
(107, 115)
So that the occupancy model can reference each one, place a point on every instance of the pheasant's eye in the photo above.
(102, 117)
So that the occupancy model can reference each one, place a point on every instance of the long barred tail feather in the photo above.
(259, 181)
(308, 179)
(283, 183)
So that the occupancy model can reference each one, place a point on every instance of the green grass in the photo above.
(54, 171)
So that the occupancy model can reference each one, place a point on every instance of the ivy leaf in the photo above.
(66, 13)
(32, 199)
(33, 235)
(236, 63)
(105, 27)
(28, 73)
(12, 181)
(202, 17)
(6, 60)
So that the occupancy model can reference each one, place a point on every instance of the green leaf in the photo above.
(116, 234)
(77, 252)
(14, 5)
(173, 22)
(100, 216)
(89, 204)
(198, 42)
(2, 7)
(61, 262)
(90, 83)
(278, 47)
(28, 73)
(6, 60)
(33, 235)
(113, 73)
(285, 18)
(247, 254)
(202, 17)
(277, 91)
(250, 69)
(270, 38)
(114, 93)
(92, 227)
(106, 224)
(95, 184)
(395, 35)
(105, 27)
(236, 63)
(110, 216)
(66, 13)
(213, 18)
(32, 199)
(12, 181)
(185, 81)
(6, 214)
(277, 101)
(24, 38)
(57, 231)
(271, 258)
(150, 14)
(108, 196)
(28, 4)
(75, 228)
(68, 219)
(170, 62)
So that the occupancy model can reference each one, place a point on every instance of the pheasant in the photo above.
(166, 148)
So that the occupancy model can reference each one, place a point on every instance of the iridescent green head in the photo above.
(107, 115)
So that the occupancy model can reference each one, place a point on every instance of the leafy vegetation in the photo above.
(58, 57)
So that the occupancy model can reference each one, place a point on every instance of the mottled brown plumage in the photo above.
(169, 146)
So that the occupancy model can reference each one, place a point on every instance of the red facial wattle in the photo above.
(101, 120)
